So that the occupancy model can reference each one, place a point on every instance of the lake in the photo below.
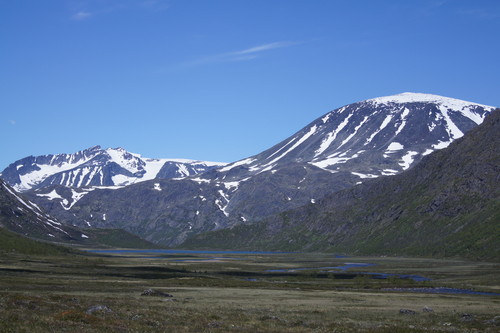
(161, 251)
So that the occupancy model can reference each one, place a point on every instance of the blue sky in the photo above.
(221, 80)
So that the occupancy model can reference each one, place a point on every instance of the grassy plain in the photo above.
(236, 293)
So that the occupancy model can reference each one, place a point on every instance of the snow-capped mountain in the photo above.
(372, 138)
(446, 205)
(368, 139)
(96, 167)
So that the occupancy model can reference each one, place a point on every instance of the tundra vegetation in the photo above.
(71, 291)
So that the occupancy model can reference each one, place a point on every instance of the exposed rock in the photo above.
(136, 317)
(152, 292)
(427, 309)
(495, 321)
(346, 146)
(99, 308)
(467, 317)
(461, 182)
(215, 324)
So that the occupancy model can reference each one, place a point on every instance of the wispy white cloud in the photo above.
(82, 15)
(12, 122)
(241, 55)
(265, 47)
(83, 10)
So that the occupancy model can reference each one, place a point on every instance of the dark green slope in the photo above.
(447, 205)
(14, 243)
(118, 238)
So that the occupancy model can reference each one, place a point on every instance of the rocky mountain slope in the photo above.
(376, 137)
(20, 217)
(96, 167)
(447, 205)
(24, 217)
(345, 147)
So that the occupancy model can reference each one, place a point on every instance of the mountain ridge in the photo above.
(344, 147)
(94, 167)
(24, 217)
(447, 205)
(337, 128)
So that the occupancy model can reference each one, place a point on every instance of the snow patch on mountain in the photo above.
(18, 198)
(125, 159)
(403, 121)
(409, 97)
(41, 217)
(331, 136)
(394, 146)
(97, 167)
(35, 177)
(355, 132)
(235, 164)
(51, 195)
(386, 122)
(363, 176)
(452, 129)
(407, 159)
(311, 131)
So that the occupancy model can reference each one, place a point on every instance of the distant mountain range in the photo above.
(345, 147)
(447, 205)
(97, 167)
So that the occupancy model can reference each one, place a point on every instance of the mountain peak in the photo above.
(411, 97)
(94, 148)
(375, 137)
(95, 166)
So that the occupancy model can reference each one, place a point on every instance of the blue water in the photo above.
(183, 251)
(347, 266)
(343, 268)
(442, 290)
(416, 278)
(206, 259)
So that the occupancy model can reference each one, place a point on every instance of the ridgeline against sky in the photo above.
(222, 80)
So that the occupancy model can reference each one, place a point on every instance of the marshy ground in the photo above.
(237, 293)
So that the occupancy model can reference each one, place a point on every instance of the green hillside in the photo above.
(14, 243)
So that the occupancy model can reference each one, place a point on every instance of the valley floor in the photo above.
(202, 292)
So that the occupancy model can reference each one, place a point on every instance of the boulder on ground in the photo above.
(467, 317)
(152, 292)
(98, 308)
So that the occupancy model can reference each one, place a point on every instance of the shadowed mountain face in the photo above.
(24, 217)
(19, 216)
(448, 204)
(347, 146)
